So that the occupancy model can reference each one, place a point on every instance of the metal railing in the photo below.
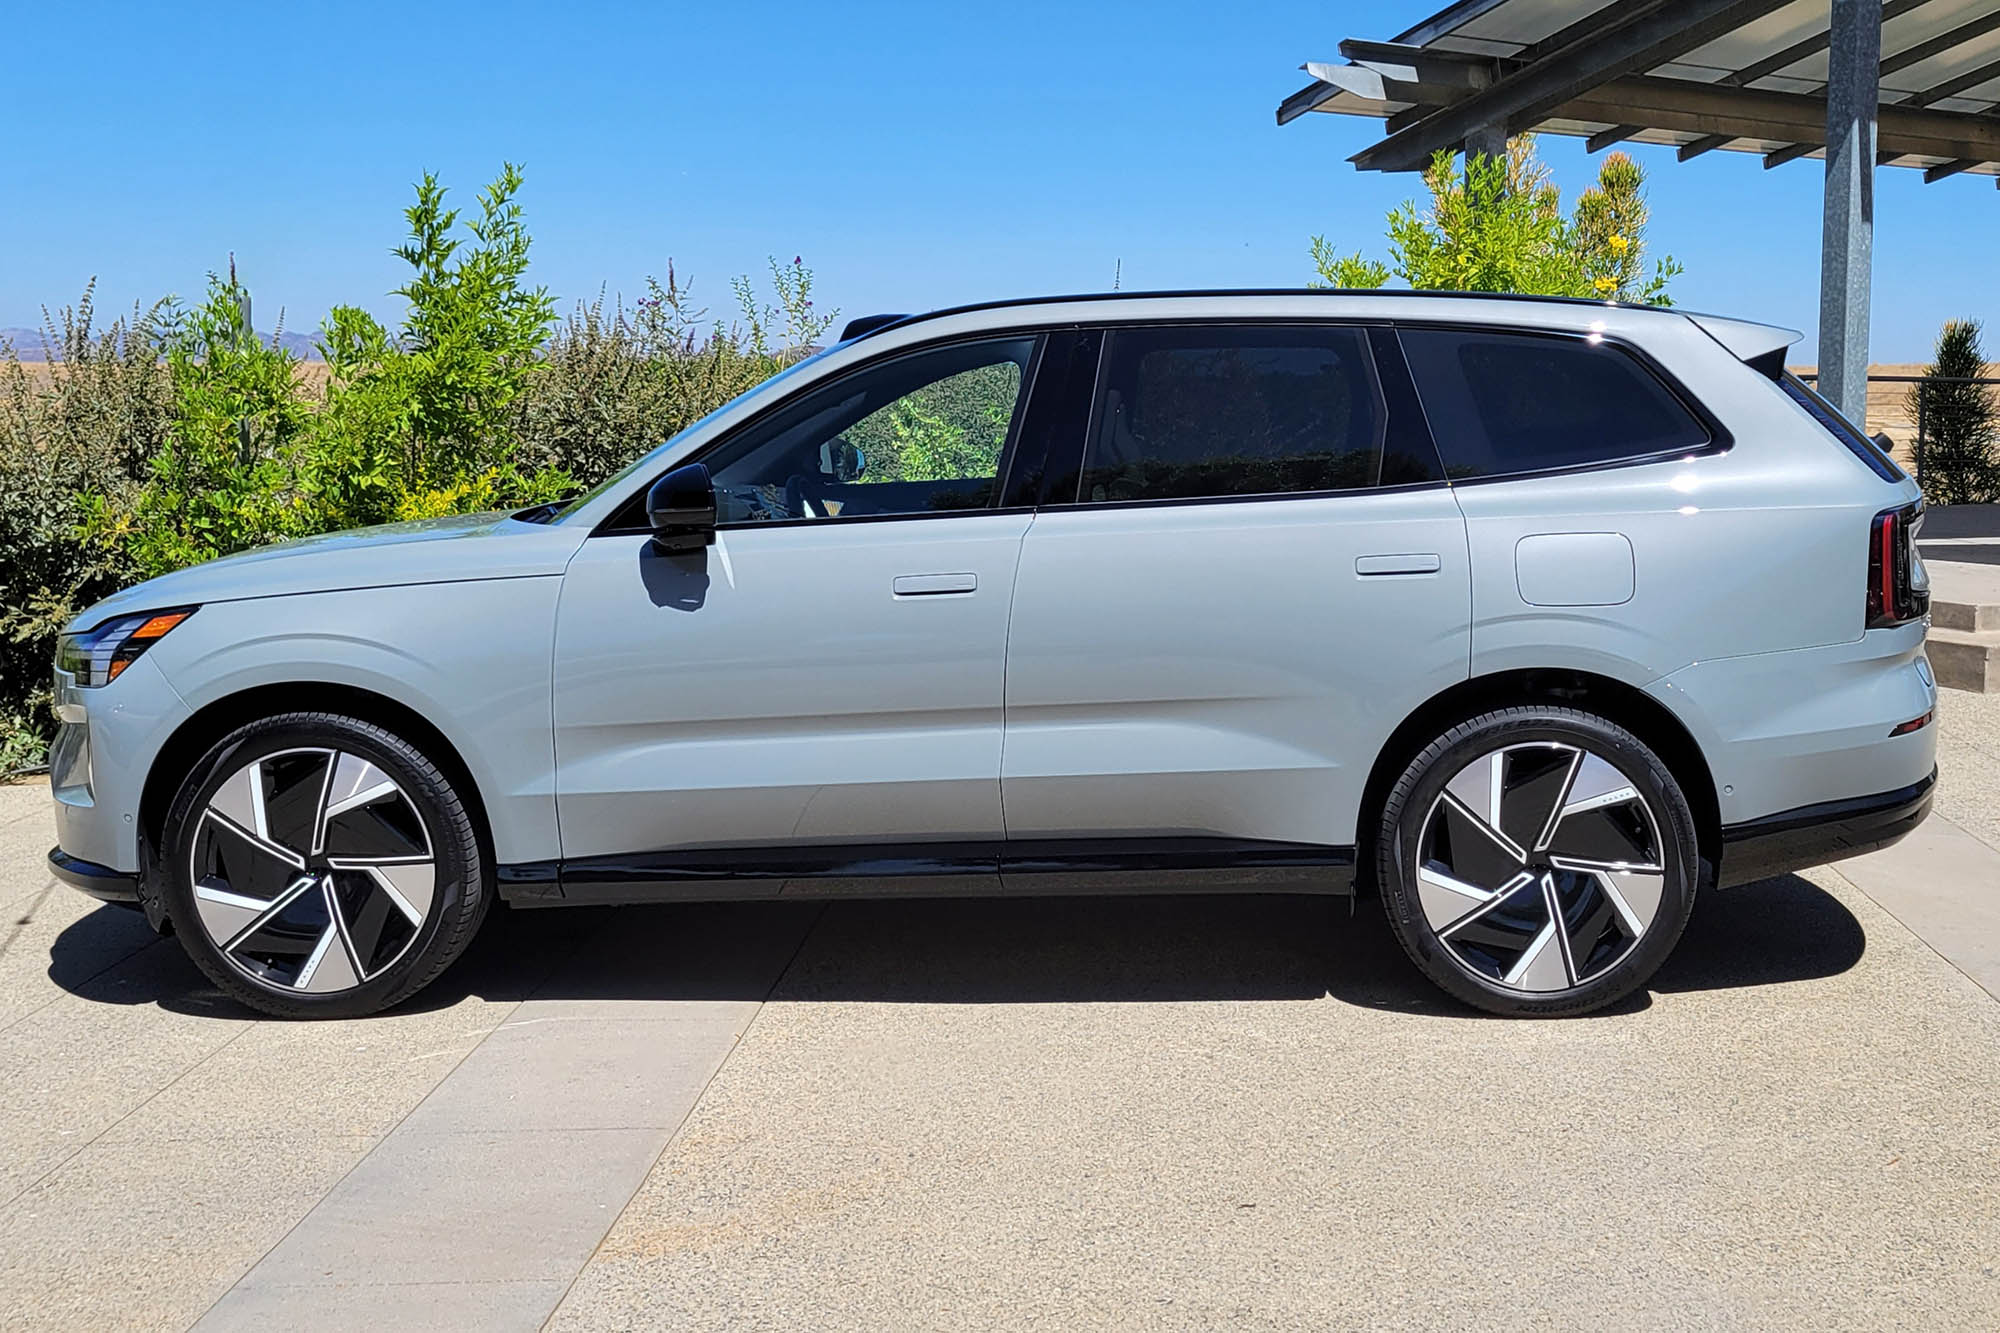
(1917, 445)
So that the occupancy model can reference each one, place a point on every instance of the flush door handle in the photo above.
(1420, 562)
(935, 585)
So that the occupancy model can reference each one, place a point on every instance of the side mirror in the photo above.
(681, 509)
(1883, 442)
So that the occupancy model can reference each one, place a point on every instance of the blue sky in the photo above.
(916, 155)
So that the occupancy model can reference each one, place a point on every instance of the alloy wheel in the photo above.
(312, 870)
(1540, 866)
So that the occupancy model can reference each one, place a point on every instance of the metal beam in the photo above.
(1810, 46)
(1791, 152)
(1708, 143)
(1847, 236)
(1939, 44)
(1603, 139)
(1634, 35)
(1687, 107)
(1932, 175)
(1952, 87)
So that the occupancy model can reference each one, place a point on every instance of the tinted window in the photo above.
(1501, 403)
(1191, 412)
(921, 433)
(1838, 426)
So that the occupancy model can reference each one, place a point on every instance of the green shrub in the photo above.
(1497, 225)
(615, 383)
(86, 425)
(1959, 463)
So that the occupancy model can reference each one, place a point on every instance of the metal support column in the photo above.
(1488, 139)
(1847, 240)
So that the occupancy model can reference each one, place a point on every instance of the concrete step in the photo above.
(1965, 659)
(1964, 596)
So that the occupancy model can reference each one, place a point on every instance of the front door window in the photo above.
(921, 434)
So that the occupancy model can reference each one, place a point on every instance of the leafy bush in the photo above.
(82, 427)
(1959, 463)
(615, 382)
(1497, 225)
(178, 435)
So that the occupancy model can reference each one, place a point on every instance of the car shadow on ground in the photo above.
(993, 951)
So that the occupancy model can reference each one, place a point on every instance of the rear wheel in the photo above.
(317, 865)
(1538, 861)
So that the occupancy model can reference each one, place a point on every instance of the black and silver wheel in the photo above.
(319, 866)
(1538, 861)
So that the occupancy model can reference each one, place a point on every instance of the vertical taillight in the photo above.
(1895, 594)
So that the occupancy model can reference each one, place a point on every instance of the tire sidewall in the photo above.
(1409, 805)
(454, 850)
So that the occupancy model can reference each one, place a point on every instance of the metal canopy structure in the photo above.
(1908, 83)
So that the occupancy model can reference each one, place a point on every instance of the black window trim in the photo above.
(1365, 326)
(1720, 441)
(610, 527)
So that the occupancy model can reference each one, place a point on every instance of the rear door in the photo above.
(1250, 571)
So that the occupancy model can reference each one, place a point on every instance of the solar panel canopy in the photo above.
(1701, 75)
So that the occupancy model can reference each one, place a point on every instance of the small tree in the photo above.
(1958, 418)
(421, 422)
(1497, 225)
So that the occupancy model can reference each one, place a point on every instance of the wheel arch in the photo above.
(219, 717)
(1614, 700)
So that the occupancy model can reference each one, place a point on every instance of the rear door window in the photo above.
(1506, 403)
(1193, 412)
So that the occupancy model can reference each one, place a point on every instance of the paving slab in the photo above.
(1943, 884)
(462, 1307)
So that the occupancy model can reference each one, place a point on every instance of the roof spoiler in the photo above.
(862, 325)
(1762, 347)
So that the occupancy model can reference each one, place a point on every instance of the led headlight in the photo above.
(96, 656)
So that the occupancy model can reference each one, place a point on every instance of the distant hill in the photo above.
(29, 344)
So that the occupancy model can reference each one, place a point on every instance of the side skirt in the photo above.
(928, 870)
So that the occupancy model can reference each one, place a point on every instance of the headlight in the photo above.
(96, 656)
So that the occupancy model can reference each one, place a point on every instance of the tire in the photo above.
(1590, 821)
(319, 866)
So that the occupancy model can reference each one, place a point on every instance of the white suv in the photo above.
(1534, 616)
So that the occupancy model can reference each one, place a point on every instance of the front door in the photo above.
(1262, 573)
(828, 673)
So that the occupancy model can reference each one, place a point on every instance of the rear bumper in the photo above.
(113, 886)
(1813, 835)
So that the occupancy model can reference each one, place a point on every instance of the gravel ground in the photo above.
(1203, 1114)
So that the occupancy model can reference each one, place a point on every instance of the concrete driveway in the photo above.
(1158, 1113)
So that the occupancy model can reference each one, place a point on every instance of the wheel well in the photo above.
(1632, 708)
(212, 722)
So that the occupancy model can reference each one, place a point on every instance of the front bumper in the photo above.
(1816, 834)
(112, 886)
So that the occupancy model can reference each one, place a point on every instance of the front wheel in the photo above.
(319, 866)
(1538, 861)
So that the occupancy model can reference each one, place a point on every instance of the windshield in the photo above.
(648, 459)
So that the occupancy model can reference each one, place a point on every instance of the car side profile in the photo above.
(1538, 618)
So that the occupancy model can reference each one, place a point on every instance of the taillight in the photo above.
(1897, 591)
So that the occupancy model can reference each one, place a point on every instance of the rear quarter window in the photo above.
(1500, 404)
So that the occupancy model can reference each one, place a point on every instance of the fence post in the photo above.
(1923, 396)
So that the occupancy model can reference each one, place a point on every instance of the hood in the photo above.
(433, 550)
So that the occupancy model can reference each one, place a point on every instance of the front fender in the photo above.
(472, 658)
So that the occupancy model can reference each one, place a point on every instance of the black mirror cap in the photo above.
(680, 508)
(1883, 442)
